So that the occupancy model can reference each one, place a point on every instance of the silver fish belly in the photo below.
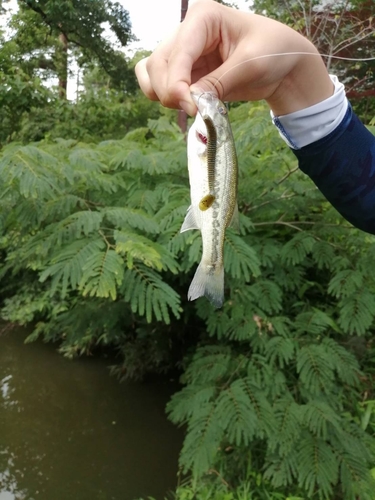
(213, 176)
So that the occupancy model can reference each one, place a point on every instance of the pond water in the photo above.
(69, 431)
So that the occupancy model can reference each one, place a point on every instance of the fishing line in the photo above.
(364, 59)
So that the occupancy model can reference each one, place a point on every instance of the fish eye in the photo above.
(222, 110)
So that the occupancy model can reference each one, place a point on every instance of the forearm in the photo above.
(338, 153)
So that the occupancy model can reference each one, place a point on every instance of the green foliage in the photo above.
(80, 244)
(275, 383)
(255, 488)
(19, 94)
(31, 110)
(105, 114)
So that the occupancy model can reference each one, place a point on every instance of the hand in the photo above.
(212, 50)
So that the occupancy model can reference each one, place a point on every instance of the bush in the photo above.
(274, 380)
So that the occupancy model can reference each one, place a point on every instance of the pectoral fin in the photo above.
(191, 221)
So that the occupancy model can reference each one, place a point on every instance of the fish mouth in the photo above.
(202, 99)
(208, 95)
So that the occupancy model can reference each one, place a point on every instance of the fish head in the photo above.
(211, 108)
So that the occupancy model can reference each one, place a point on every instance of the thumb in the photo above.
(236, 78)
(221, 81)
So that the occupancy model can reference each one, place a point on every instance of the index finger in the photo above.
(144, 79)
(170, 67)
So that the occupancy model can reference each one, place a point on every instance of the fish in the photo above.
(213, 178)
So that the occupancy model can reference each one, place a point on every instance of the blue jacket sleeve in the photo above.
(342, 165)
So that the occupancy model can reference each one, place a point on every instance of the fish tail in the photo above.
(208, 282)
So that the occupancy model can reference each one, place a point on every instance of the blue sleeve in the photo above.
(342, 165)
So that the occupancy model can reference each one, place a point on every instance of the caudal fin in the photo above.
(209, 284)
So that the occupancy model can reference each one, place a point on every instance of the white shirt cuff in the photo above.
(308, 125)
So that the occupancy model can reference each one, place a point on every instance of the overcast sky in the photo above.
(152, 20)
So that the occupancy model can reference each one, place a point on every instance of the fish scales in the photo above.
(213, 171)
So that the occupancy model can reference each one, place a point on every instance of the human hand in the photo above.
(218, 48)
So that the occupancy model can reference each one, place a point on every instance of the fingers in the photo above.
(239, 56)
(170, 78)
(159, 83)
(215, 50)
(180, 60)
(144, 79)
(183, 51)
(240, 77)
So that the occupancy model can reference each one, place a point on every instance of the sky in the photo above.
(153, 20)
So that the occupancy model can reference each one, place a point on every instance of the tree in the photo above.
(46, 30)
(19, 92)
(2, 7)
(339, 28)
(30, 57)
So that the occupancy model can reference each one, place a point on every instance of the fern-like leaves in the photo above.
(102, 273)
(148, 295)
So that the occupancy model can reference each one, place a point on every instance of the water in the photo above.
(69, 431)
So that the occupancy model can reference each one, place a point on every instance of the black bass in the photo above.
(213, 176)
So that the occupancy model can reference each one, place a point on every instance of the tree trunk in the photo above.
(62, 65)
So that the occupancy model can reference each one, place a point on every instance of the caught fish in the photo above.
(213, 176)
